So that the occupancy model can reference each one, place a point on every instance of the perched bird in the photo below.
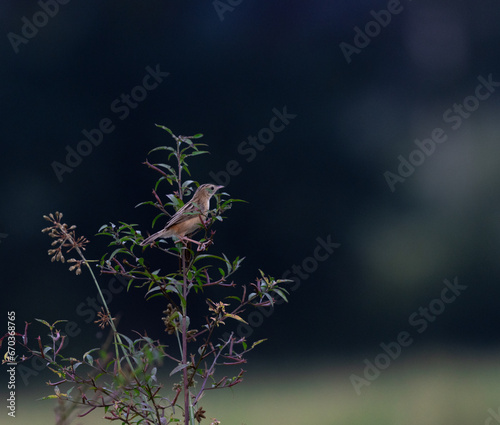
(187, 219)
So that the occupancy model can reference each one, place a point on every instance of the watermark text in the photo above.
(250, 147)
(419, 322)
(122, 107)
(30, 27)
(455, 117)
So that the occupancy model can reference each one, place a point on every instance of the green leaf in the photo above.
(156, 218)
(69, 391)
(45, 323)
(154, 292)
(237, 262)
(270, 299)
(186, 141)
(129, 341)
(166, 166)
(284, 281)
(49, 397)
(236, 317)
(87, 357)
(104, 234)
(164, 128)
(280, 293)
(260, 341)
(203, 256)
(228, 263)
(187, 183)
(175, 201)
(116, 251)
(234, 297)
(179, 368)
(60, 374)
(198, 153)
(160, 180)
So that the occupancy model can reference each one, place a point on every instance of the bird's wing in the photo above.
(185, 213)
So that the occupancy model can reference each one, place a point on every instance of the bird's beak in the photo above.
(220, 187)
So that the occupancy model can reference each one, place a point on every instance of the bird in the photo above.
(187, 220)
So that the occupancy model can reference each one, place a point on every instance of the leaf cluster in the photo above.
(124, 380)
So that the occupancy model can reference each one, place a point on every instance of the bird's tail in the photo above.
(154, 236)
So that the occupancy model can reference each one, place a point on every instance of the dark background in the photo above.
(322, 176)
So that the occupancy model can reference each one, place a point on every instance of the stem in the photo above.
(202, 355)
(179, 167)
(188, 411)
(209, 372)
(184, 338)
(116, 335)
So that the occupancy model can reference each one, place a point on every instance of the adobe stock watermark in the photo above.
(249, 148)
(121, 107)
(453, 116)
(88, 310)
(224, 6)
(493, 416)
(30, 27)
(363, 37)
(3, 236)
(10, 359)
(419, 322)
(298, 273)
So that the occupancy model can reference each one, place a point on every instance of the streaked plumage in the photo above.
(187, 219)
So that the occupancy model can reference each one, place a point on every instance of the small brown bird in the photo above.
(187, 219)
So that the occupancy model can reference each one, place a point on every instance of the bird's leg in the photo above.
(202, 246)
(186, 239)
(205, 245)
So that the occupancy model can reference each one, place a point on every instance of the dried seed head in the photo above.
(64, 237)
(200, 414)
(104, 319)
